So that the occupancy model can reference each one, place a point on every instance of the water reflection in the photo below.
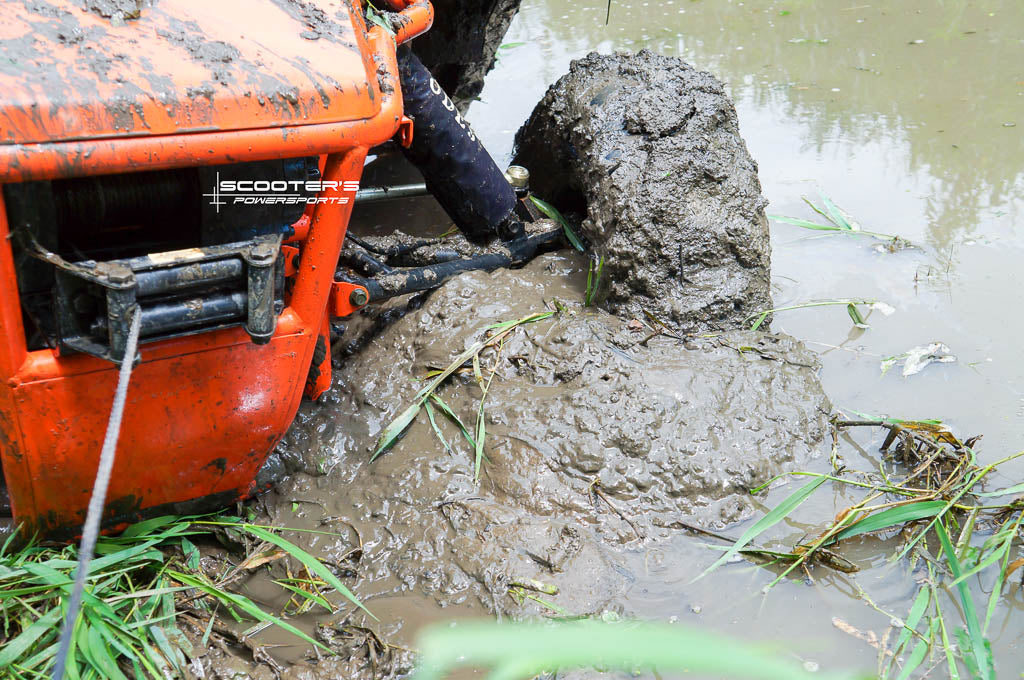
(938, 87)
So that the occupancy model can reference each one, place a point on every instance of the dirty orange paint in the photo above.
(186, 83)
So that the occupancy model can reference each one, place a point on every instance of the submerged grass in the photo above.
(838, 221)
(852, 308)
(139, 587)
(939, 495)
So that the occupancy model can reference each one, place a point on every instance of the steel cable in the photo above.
(91, 528)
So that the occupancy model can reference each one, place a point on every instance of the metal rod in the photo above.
(173, 279)
(375, 194)
(166, 317)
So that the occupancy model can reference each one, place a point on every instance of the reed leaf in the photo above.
(313, 565)
(978, 645)
(553, 212)
(776, 515)
(891, 517)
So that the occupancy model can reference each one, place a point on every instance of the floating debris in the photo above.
(915, 359)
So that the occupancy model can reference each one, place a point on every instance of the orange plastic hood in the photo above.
(84, 70)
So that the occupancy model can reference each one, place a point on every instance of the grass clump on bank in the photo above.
(140, 586)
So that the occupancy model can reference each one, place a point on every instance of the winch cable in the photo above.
(91, 528)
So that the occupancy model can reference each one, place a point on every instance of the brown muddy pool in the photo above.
(909, 114)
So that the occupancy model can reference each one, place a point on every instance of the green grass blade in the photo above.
(13, 649)
(245, 604)
(775, 516)
(521, 650)
(1017, 488)
(306, 595)
(997, 587)
(946, 646)
(529, 318)
(836, 214)
(145, 527)
(977, 640)
(593, 281)
(552, 212)
(891, 517)
(913, 617)
(311, 563)
(447, 410)
(191, 553)
(433, 424)
(101, 657)
(990, 559)
(376, 19)
(820, 211)
(855, 316)
(481, 430)
(917, 655)
(806, 224)
(395, 429)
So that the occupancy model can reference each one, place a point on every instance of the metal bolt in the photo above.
(261, 253)
(518, 177)
(358, 297)
(120, 274)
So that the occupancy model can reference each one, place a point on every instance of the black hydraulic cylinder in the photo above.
(458, 171)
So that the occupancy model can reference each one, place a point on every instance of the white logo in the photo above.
(279, 191)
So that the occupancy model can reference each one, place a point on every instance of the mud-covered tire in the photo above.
(649, 148)
(460, 48)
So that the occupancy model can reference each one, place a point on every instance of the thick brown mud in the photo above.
(600, 441)
(648, 148)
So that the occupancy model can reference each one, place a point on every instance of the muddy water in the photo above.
(909, 115)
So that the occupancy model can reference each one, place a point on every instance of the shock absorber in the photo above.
(457, 169)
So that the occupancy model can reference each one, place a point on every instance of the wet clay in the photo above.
(596, 445)
(649, 149)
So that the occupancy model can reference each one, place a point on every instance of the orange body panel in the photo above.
(204, 410)
(181, 66)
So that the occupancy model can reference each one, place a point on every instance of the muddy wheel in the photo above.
(459, 48)
(648, 151)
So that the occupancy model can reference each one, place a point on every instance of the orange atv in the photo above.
(196, 163)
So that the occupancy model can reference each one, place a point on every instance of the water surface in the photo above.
(909, 114)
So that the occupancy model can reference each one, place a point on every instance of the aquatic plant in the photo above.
(838, 222)
(422, 401)
(940, 495)
(851, 305)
